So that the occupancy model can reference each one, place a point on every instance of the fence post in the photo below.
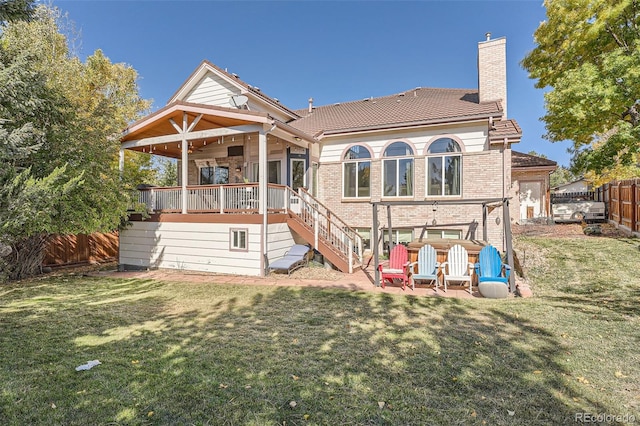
(620, 205)
(633, 206)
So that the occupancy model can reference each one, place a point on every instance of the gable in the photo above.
(212, 86)
(212, 90)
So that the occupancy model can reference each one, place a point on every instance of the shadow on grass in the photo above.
(212, 354)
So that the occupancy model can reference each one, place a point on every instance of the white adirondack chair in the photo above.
(457, 267)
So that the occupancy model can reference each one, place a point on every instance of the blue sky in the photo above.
(333, 51)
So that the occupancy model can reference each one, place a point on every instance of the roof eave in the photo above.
(412, 124)
(533, 168)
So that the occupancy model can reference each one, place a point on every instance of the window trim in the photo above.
(356, 161)
(443, 156)
(232, 233)
(397, 159)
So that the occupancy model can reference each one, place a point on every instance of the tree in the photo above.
(588, 54)
(16, 10)
(60, 121)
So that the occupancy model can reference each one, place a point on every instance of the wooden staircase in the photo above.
(331, 236)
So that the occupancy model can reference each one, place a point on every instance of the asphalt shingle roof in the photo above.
(520, 159)
(413, 107)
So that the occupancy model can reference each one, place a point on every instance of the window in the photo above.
(238, 239)
(444, 168)
(214, 175)
(400, 236)
(206, 175)
(397, 172)
(273, 172)
(365, 233)
(356, 172)
(454, 234)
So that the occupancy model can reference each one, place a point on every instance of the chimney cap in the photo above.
(488, 36)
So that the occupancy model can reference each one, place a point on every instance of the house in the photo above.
(256, 177)
(578, 185)
(530, 184)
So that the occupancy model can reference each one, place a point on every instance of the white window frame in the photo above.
(235, 242)
(397, 160)
(442, 232)
(443, 156)
(344, 176)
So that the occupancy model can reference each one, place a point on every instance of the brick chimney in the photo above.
(492, 71)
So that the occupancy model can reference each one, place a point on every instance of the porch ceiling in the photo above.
(159, 124)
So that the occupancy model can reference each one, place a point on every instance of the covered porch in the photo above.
(237, 164)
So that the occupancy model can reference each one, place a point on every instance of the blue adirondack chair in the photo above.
(490, 266)
(426, 267)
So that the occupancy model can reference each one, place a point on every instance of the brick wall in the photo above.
(492, 71)
(482, 178)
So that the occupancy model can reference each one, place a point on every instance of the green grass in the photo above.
(185, 353)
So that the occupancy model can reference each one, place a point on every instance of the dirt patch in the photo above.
(565, 230)
(314, 271)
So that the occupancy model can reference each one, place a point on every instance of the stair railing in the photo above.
(326, 225)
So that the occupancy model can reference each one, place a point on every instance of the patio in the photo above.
(361, 280)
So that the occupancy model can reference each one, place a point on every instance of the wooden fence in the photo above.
(77, 249)
(622, 199)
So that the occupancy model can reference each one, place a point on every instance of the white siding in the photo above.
(212, 90)
(215, 90)
(279, 241)
(189, 246)
(474, 138)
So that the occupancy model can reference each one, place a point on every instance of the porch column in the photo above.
(185, 164)
(262, 193)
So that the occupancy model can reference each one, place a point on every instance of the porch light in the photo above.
(298, 138)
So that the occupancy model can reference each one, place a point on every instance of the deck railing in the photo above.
(241, 198)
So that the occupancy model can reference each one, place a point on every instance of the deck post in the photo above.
(509, 244)
(375, 245)
(263, 193)
(391, 243)
(484, 222)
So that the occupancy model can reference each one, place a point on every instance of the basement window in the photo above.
(238, 240)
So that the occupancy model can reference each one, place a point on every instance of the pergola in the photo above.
(484, 202)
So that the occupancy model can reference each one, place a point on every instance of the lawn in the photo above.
(185, 353)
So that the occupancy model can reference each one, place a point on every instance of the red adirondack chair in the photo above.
(398, 266)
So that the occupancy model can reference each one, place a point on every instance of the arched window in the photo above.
(444, 168)
(356, 172)
(397, 170)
